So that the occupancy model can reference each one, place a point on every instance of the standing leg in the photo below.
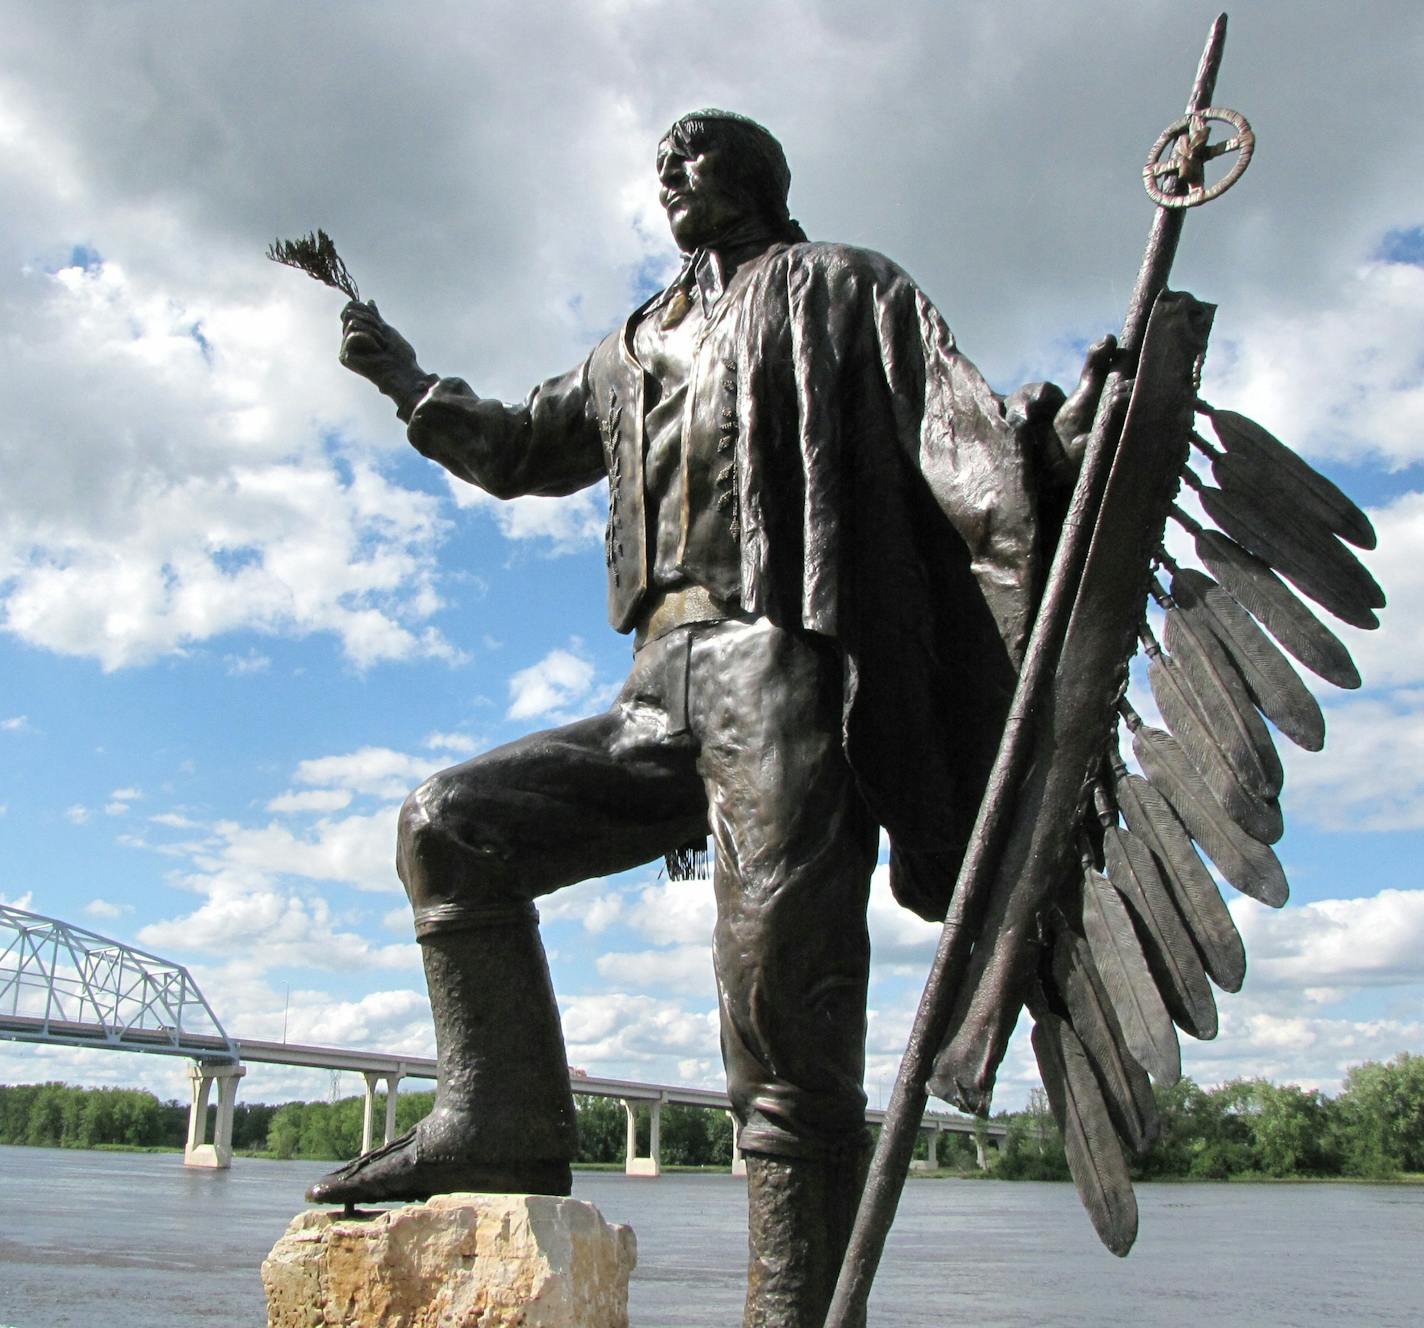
(795, 849)
(800, 1211)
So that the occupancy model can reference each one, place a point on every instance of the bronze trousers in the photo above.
(732, 727)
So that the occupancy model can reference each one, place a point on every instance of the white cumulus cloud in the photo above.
(616, 1033)
(1370, 777)
(272, 928)
(685, 969)
(356, 850)
(1268, 1040)
(377, 772)
(554, 685)
(457, 744)
(563, 525)
(182, 508)
(1340, 381)
(311, 800)
(675, 913)
(1376, 940)
(1393, 654)
(102, 908)
(593, 909)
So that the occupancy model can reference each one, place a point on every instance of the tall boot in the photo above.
(799, 1216)
(503, 1120)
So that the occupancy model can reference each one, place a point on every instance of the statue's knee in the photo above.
(441, 850)
(420, 833)
(411, 828)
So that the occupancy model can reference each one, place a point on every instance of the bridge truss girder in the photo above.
(64, 985)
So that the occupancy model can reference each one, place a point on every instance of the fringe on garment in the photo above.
(688, 862)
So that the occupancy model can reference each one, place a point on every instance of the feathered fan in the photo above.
(1083, 894)
(1129, 953)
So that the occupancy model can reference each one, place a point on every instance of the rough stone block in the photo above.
(457, 1261)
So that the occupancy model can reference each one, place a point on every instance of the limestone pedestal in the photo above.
(456, 1261)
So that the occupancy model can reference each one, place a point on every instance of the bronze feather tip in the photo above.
(316, 255)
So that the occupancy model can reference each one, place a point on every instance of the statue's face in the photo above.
(697, 191)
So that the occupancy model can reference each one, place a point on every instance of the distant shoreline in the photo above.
(919, 1173)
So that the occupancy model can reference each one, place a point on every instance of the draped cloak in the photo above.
(879, 494)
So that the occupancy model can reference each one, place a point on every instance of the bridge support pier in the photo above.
(931, 1159)
(368, 1115)
(633, 1165)
(198, 1152)
(739, 1163)
(981, 1150)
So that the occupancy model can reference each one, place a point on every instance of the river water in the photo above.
(137, 1241)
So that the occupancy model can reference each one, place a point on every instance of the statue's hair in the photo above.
(759, 170)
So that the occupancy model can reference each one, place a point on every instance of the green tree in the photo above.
(602, 1129)
(1033, 1147)
(96, 1119)
(695, 1137)
(1198, 1135)
(347, 1116)
(250, 1124)
(332, 1130)
(71, 1110)
(284, 1133)
(45, 1121)
(413, 1107)
(956, 1151)
(317, 1138)
(15, 1103)
(172, 1126)
(1290, 1129)
(1381, 1117)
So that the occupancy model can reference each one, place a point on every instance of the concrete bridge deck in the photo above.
(222, 1060)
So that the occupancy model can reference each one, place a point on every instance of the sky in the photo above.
(240, 618)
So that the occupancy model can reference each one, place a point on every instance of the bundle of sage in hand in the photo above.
(317, 257)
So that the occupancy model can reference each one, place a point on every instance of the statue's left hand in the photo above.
(1033, 406)
(1074, 420)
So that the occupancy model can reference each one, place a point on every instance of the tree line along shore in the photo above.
(1372, 1129)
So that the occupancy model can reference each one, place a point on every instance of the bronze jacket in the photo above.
(878, 493)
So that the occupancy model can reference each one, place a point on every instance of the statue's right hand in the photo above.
(371, 347)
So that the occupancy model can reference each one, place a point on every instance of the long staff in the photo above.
(982, 882)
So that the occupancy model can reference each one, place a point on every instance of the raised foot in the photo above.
(403, 1170)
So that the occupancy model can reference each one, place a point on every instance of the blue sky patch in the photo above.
(196, 332)
(83, 256)
(1403, 245)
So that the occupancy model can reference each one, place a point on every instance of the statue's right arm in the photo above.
(550, 445)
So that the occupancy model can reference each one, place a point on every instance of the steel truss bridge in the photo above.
(65, 986)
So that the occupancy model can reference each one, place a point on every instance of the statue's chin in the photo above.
(691, 229)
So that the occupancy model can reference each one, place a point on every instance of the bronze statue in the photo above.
(866, 591)
(824, 537)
